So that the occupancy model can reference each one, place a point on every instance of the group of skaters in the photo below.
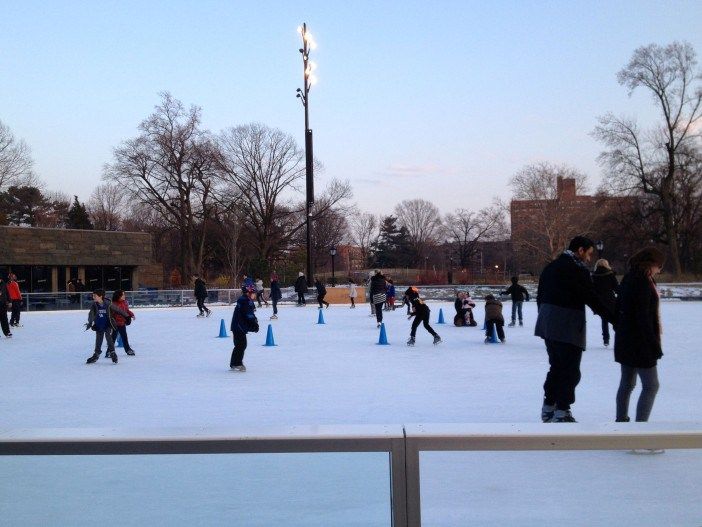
(565, 287)
(10, 297)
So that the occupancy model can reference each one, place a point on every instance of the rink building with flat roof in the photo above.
(44, 260)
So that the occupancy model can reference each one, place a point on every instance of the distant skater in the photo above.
(259, 292)
(201, 295)
(321, 293)
(421, 313)
(276, 295)
(301, 289)
(606, 286)
(519, 294)
(378, 295)
(352, 293)
(13, 291)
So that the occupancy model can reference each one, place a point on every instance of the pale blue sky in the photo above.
(438, 100)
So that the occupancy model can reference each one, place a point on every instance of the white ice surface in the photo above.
(332, 374)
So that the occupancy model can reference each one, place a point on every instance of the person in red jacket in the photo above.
(13, 291)
(120, 323)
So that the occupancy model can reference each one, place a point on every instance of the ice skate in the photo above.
(241, 368)
(200, 315)
(274, 317)
(208, 313)
(562, 416)
(410, 342)
(93, 358)
(437, 339)
(113, 356)
(521, 324)
(647, 451)
(547, 412)
(130, 352)
(503, 341)
(510, 325)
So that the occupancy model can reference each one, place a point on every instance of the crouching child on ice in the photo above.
(243, 321)
(420, 312)
(101, 321)
(494, 318)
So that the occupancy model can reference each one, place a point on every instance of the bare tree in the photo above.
(648, 161)
(261, 164)
(363, 231)
(170, 168)
(106, 207)
(548, 218)
(465, 230)
(15, 161)
(422, 220)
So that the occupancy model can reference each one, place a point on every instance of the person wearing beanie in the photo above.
(637, 340)
(301, 289)
(494, 318)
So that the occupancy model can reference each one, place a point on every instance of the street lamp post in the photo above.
(309, 79)
(600, 247)
(332, 252)
(450, 271)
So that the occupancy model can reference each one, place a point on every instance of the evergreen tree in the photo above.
(77, 217)
(392, 248)
(21, 206)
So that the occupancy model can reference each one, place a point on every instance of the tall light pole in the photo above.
(332, 252)
(309, 79)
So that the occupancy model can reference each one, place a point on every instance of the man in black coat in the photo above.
(565, 287)
(519, 294)
(606, 286)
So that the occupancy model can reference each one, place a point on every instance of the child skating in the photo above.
(101, 321)
(494, 319)
(420, 312)
(243, 321)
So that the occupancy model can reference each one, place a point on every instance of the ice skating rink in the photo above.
(333, 374)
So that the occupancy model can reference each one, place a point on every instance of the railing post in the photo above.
(398, 483)
(414, 512)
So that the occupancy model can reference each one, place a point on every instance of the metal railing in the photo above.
(403, 443)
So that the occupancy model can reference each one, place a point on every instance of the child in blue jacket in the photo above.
(243, 321)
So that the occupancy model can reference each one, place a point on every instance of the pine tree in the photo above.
(77, 217)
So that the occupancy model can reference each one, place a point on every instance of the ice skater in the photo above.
(494, 319)
(301, 289)
(606, 286)
(421, 312)
(243, 321)
(101, 321)
(120, 323)
(13, 291)
(276, 295)
(321, 293)
(4, 300)
(200, 293)
(259, 292)
(352, 293)
(378, 295)
(519, 294)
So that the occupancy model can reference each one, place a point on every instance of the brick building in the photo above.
(44, 260)
(542, 228)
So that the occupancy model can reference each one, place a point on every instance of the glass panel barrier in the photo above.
(305, 489)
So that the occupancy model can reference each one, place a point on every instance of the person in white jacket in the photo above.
(352, 293)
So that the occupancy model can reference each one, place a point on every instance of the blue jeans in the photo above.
(517, 307)
(649, 389)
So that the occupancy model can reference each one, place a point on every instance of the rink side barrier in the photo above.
(403, 443)
(184, 297)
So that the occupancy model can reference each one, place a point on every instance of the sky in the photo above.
(443, 101)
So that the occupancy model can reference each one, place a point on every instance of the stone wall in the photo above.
(34, 246)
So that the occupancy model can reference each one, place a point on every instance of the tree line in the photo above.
(232, 201)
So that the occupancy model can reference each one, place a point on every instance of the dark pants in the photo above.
(421, 320)
(16, 309)
(201, 306)
(239, 349)
(379, 312)
(649, 389)
(564, 374)
(301, 299)
(353, 301)
(489, 324)
(122, 330)
(274, 301)
(320, 299)
(517, 308)
(605, 331)
(259, 297)
(3, 321)
(107, 335)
